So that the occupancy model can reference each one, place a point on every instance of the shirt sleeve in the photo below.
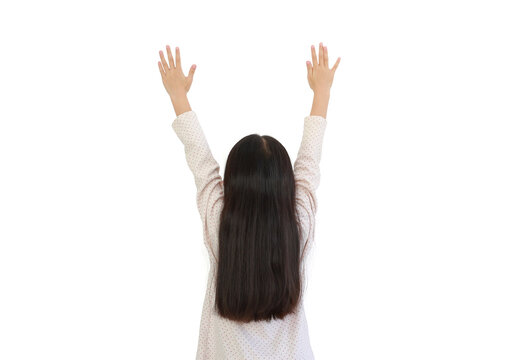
(307, 175)
(205, 169)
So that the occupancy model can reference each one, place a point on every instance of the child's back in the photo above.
(219, 337)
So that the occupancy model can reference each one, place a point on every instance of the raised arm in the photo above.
(306, 167)
(205, 169)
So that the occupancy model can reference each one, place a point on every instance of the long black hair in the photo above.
(258, 274)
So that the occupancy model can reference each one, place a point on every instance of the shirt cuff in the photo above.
(183, 118)
(316, 118)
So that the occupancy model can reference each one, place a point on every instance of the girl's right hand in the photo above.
(320, 77)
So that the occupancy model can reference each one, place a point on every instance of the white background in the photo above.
(416, 253)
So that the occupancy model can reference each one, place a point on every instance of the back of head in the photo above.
(258, 258)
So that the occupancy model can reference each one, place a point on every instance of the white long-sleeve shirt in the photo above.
(220, 338)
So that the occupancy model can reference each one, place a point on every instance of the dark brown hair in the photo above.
(258, 274)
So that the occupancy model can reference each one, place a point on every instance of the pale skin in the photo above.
(320, 79)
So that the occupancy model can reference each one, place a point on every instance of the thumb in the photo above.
(308, 66)
(336, 64)
(191, 71)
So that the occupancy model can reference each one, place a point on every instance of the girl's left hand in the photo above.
(172, 76)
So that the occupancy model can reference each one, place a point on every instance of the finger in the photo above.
(336, 64)
(309, 66)
(161, 69)
(164, 62)
(170, 57)
(192, 71)
(314, 57)
(325, 57)
(177, 59)
(321, 53)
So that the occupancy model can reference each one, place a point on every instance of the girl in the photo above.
(258, 225)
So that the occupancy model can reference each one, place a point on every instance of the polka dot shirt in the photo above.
(220, 338)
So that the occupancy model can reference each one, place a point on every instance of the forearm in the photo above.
(320, 103)
(180, 103)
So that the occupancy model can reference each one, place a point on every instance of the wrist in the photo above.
(322, 93)
(178, 95)
(320, 104)
(180, 103)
